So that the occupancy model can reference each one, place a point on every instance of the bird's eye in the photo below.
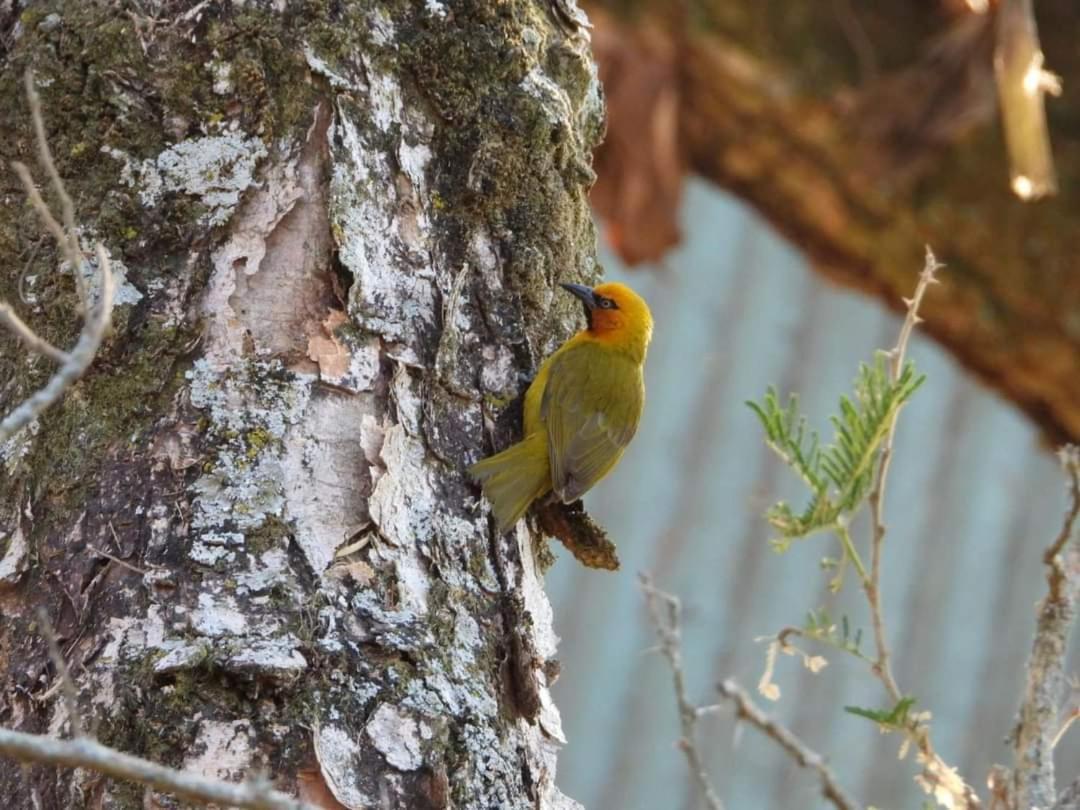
(607, 303)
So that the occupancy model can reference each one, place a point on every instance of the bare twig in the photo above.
(35, 343)
(1038, 724)
(70, 243)
(1022, 84)
(113, 558)
(67, 684)
(746, 709)
(79, 360)
(883, 666)
(664, 610)
(937, 777)
(75, 363)
(84, 752)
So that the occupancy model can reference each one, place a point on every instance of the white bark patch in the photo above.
(373, 242)
(338, 756)
(324, 477)
(244, 250)
(404, 500)
(498, 375)
(544, 638)
(263, 572)
(18, 447)
(181, 656)
(225, 750)
(276, 658)
(321, 67)
(217, 169)
(286, 297)
(396, 736)
(218, 618)
(16, 559)
(435, 8)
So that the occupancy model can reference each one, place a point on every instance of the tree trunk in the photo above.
(339, 225)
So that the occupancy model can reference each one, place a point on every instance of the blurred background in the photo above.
(771, 174)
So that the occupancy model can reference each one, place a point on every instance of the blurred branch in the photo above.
(84, 752)
(96, 324)
(1037, 725)
(67, 684)
(1022, 85)
(859, 175)
(35, 343)
(664, 612)
(746, 709)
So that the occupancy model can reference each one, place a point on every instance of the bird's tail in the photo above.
(514, 478)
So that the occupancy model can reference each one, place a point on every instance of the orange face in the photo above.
(615, 314)
(615, 309)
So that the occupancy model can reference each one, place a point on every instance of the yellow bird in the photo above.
(581, 411)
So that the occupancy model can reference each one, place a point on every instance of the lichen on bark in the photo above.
(345, 221)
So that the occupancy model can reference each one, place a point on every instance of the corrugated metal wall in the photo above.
(973, 500)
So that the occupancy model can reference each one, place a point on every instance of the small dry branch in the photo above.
(96, 323)
(664, 612)
(747, 710)
(872, 585)
(84, 752)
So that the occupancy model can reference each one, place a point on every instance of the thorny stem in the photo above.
(664, 610)
(872, 586)
(746, 709)
(936, 774)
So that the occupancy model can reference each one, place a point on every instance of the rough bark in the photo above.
(862, 132)
(338, 225)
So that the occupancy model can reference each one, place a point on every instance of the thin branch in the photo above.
(1037, 725)
(67, 683)
(746, 709)
(664, 610)
(86, 753)
(883, 665)
(78, 362)
(70, 245)
(96, 325)
(14, 324)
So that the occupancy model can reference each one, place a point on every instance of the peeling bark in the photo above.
(341, 224)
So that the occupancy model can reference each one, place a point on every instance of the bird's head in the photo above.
(615, 314)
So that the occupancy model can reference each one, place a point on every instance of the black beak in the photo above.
(584, 293)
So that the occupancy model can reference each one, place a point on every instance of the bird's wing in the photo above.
(591, 407)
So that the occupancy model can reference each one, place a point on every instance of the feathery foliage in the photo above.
(838, 475)
(895, 719)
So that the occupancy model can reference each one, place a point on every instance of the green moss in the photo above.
(256, 441)
(108, 411)
(273, 533)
